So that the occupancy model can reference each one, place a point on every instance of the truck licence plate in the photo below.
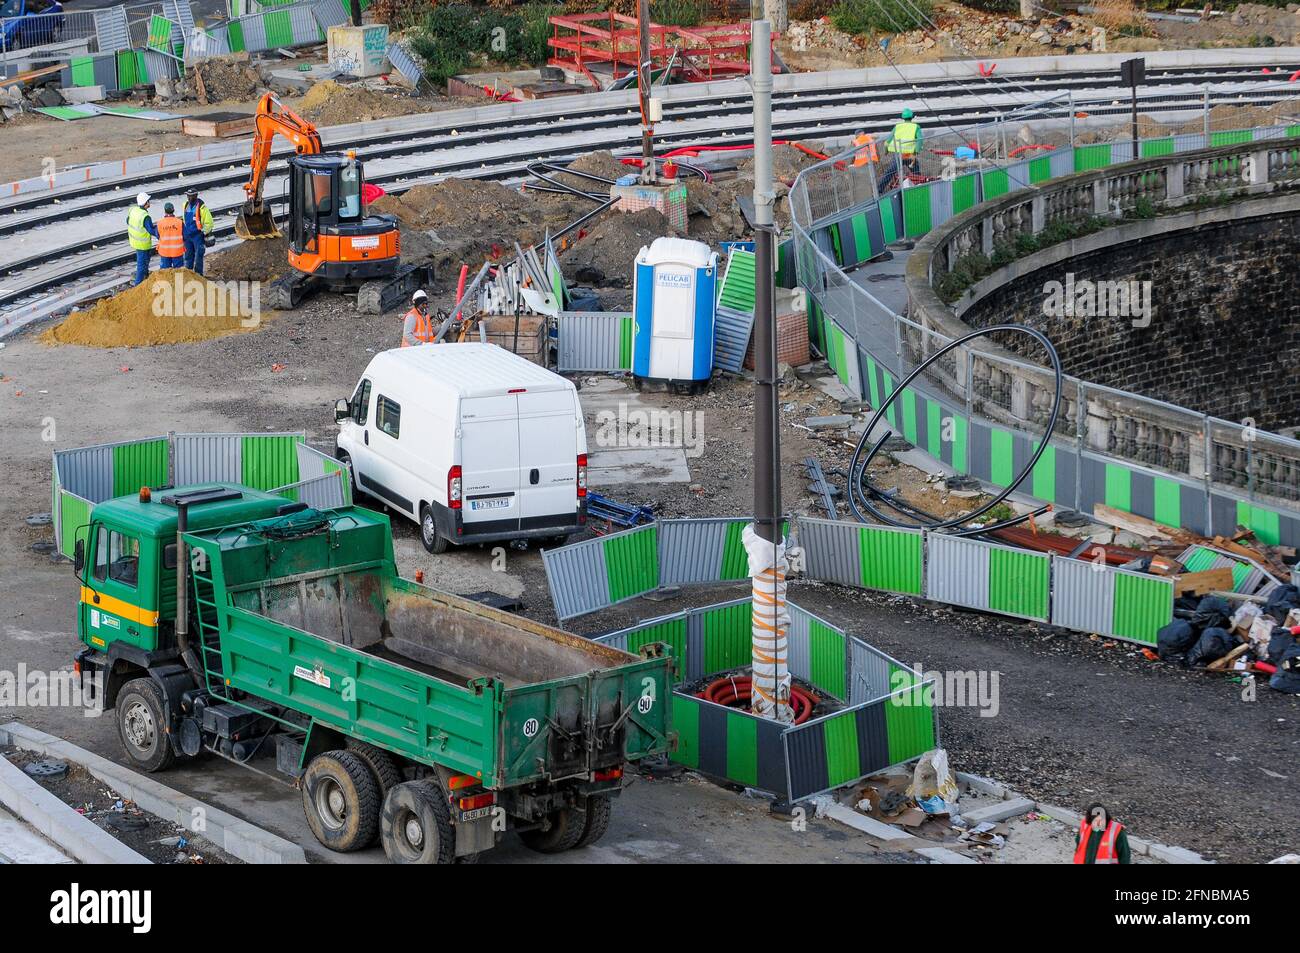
(477, 813)
(497, 503)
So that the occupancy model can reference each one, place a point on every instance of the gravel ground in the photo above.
(1177, 755)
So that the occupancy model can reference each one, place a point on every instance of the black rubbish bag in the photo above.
(1214, 643)
(1173, 641)
(1281, 601)
(1287, 678)
(1279, 644)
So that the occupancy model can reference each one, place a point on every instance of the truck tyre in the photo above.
(599, 811)
(416, 825)
(381, 765)
(433, 540)
(567, 826)
(142, 725)
(341, 799)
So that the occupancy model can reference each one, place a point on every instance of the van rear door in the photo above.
(489, 461)
(548, 457)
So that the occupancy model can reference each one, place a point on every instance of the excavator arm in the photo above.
(273, 118)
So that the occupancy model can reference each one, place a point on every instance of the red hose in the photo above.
(737, 691)
(1019, 149)
(460, 284)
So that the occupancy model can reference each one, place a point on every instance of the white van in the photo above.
(469, 440)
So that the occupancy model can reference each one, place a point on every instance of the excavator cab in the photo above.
(330, 234)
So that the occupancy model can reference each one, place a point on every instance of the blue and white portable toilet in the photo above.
(673, 295)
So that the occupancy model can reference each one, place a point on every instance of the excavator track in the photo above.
(387, 294)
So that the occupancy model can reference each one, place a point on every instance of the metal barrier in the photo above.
(702, 550)
(84, 476)
(980, 575)
(888, 722)
(602, 572)
(1149, 462)
(322, 492)
(594, 341)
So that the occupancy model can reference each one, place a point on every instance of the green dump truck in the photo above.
(227, 620)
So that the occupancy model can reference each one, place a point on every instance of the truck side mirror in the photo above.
(342, 410)
(79, 556)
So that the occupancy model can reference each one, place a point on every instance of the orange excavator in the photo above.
(333, 241)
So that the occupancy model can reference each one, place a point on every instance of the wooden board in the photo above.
(219, 125)
(1198, 583)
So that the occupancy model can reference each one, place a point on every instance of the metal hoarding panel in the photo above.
(56, 511)
(868, 673)
(1019, 582)
(111, 30)
(940, 202)
(892, 560)
(797, 642)
(269, 460)
(577, 577)
(731, 332)
(86, 472)
(207, 458)
(404, 63)
(254, 32)
(590, 342)
(957, 571)
(831, 551)
(1083, 596)
(1143, 605)
(1061, 162)
(74, 513)
(1018, 173)
(1191, 142)
(158, 65)
(140, 463)
(690, 551)
(330, 13)
(321, 493)
(617, 640)
(303, 26)
(632, 562)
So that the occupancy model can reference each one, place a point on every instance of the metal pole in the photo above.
(355, 8)
(643, 78)
(1205, 112)
(771, 674)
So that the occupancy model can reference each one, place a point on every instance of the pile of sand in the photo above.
(331, 104)
(175, 306)
(226, 78)
(261, 259)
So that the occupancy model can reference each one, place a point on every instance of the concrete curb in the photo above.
(236, 837)
(66, 829)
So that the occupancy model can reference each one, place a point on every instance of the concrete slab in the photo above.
(20, 844)
(649, 465)
(942, 855)
(999, 811)
(233, 835)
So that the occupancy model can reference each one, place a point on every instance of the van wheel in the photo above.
(433, 541)
(142, 725)
(416, 826)
(567, 826)
(343, 457)
(340, 797)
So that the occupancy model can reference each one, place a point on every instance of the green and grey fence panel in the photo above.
(728, 744)
(726, 636)
(1247, 575)
(262, 461)
(859, 237)
(1268, 525)
(1090, 597)
(817, 652)
(702, 550)
(916, 210)
(1141, 492)
(312, 464)
(980, 575)
(594, 341)
(864, 556)
(871, 672)
(844, 746)
(326, 492)
(940, 201)
(597, 573)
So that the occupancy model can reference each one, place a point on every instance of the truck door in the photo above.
(548, 457)
(489, 461)
(114, 604)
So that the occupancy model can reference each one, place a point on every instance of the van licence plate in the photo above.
(497, 503)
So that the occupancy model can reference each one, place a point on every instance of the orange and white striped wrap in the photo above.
(768, 567)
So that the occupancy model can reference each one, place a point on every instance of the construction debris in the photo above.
(330, 103)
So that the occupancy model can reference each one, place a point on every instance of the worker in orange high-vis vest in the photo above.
(171, 239)
(417, 327)
(1100, 839)
(864, 149)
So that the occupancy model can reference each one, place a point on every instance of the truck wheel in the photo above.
(416, 826)
(142, 725)
(565, 831)
(433, 541)
(599, 811)
(381, 765)
(340, 797)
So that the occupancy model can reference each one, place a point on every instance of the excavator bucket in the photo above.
(256, 222)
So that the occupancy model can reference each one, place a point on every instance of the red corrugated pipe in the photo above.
(736, 691)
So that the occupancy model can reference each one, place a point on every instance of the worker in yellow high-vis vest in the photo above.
(141, 232)
(905, 141)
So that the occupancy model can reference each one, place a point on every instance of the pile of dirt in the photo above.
(223, 78)
(332, 104)
(604, 257)
(262, 259)
(787, 162)
(454, 205)
(175, 306)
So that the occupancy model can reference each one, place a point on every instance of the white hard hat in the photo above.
(142, 199)
(418, 296)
